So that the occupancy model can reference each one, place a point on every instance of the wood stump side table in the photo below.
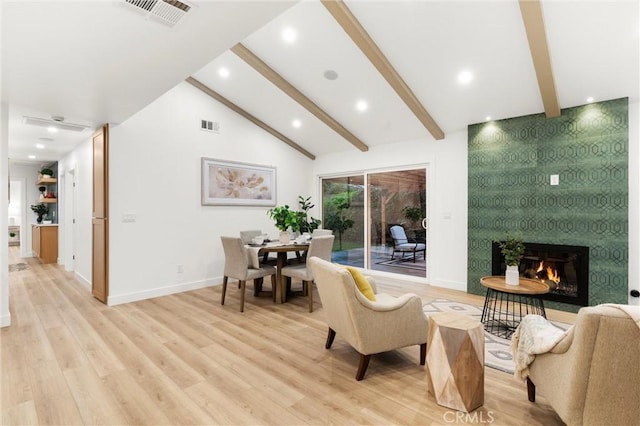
(455, 361)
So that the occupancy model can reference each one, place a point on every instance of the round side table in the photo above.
(505, 305)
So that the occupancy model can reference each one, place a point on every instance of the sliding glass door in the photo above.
(343, 212)
(398, 200)
(362, 209)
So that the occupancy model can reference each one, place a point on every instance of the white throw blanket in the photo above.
(534, 335)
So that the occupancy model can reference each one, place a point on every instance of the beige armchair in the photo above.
(592, 376)
(370, 327)
(236, 265)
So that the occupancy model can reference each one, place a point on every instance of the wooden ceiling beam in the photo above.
(270, 74)
(226, 102)
(350, 24)
(533, 19)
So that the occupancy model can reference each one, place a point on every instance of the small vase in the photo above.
(512, 276)
(39, 219)
(285, 237)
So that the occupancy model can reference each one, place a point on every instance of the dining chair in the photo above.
(247, 238)
(320, 232)
(236, 266)
(318, 247)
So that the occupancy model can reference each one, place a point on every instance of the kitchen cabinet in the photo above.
(44, 242)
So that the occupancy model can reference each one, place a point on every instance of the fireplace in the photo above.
(564, 268)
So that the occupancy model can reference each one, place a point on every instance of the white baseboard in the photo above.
(452, 285)
(162, 291)
(5, 320)
(85, 282)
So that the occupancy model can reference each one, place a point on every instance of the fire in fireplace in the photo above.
(564, 268)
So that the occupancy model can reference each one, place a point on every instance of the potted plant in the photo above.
(512, 249)
(46, 172)
(40, 210)
(284, 219)
(306, 223)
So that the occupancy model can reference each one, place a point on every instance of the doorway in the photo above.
(17, 215)
(361, 209)
(68, 219)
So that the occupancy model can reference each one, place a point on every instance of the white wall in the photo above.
(5, 315)
(15, 202)
(446, 161)
(29, 174)
(79, 163)
(155, 175)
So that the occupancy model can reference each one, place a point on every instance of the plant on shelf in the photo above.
(306, 223)
(46, 172)
(40, 210)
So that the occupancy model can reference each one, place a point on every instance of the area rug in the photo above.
(18, 267)
(407, 262)
(497, 353)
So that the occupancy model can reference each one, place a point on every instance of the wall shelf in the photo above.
(44, 181)
(50, 186)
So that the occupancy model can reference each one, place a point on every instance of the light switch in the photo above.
(555, 180)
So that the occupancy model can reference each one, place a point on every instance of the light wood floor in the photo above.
(184, 359)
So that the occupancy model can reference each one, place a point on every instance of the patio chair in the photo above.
(402, 244)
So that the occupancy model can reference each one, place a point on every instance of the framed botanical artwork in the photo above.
(229, 183)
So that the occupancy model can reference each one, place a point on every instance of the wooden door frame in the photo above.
(104, 215)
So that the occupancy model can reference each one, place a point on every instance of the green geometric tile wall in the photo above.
(510, 162)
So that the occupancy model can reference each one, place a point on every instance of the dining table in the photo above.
(282, 249)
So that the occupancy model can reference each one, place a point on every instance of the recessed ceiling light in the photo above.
(223, 72)
(32, 157)
(590, 99)
(52, 129)
(289, 35)
(330, 75)
(465, 77)
(296, 123)
(362, 106)
(488, 118)
(39, 146)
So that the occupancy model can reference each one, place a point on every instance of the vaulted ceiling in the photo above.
(98, 62)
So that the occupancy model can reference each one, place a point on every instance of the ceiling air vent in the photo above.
(58, 123)
(169, 11)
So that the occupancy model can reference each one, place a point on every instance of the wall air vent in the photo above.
(210, 126)
(61, 125)
(169, 11)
